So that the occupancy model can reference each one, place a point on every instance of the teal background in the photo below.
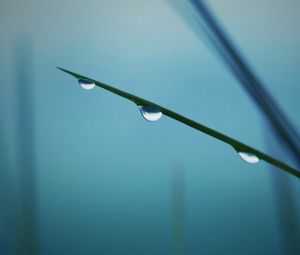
(103, 174)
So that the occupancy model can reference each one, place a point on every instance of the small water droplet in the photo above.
(86, 84)
(248, 157)
(150, 113)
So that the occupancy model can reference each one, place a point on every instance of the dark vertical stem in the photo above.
(25, 139)
(8, 213)
(284, 202)
(178, 205)
(287, 213)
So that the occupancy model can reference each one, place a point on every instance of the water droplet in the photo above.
(248, 157)
(150, 113)
(86, 84)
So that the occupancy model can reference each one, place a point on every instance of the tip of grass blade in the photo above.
(69, 72)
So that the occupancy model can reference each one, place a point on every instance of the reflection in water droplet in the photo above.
(86, 84)
(248, 157)
(150, 113)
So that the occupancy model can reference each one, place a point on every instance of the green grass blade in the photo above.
(237, 145)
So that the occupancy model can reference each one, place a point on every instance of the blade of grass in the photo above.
(27, 186)
(284, 130)
(237, 145)
(204, 22)
(178, 209)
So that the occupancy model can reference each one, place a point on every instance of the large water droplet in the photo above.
(248, 157)
(150, 113)
(86, 84)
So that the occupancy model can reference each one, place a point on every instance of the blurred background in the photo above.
(83, 173)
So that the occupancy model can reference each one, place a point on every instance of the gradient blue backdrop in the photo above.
(103, 173)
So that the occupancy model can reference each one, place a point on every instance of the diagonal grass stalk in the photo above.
(237, 145)
(224, 46)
